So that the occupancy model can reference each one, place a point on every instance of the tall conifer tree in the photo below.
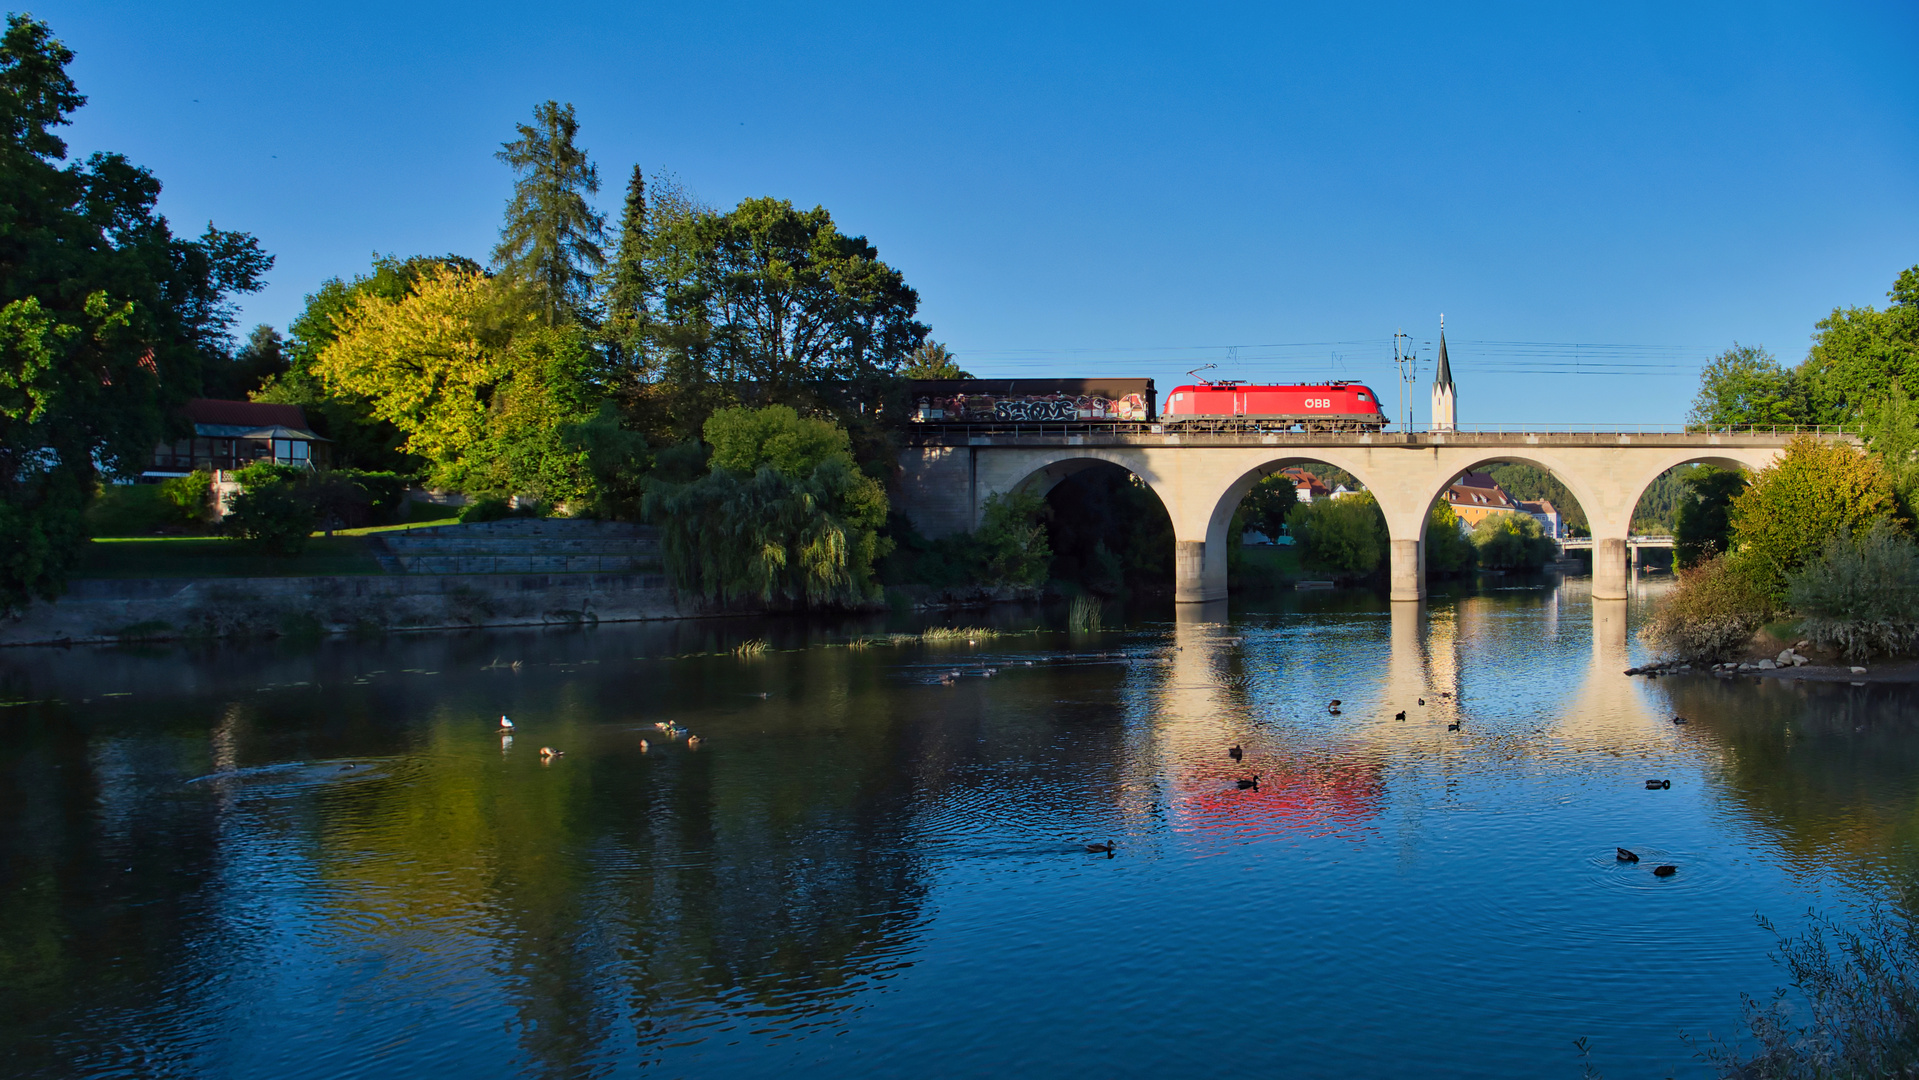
(629, 284)
(551, 242)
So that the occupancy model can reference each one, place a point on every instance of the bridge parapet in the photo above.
(1141, 434)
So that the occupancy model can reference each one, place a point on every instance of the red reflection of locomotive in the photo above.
(1333, 406)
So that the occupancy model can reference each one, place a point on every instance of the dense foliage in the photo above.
(1861, 595)
(108, 322)
(1448, 548)
(1860, 1015)
(484, 391)
(1814, 492)
(1345, 535)
(1702, 522)
(1108, 532)
(1858, 355)
(803, 529)
(1512, 542)
(1265, 507)
(931, 360)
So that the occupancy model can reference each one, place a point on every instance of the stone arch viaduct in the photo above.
(1200, 478)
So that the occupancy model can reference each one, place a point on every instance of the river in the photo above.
(318, 859)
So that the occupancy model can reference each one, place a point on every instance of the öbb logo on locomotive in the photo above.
(1221, 405)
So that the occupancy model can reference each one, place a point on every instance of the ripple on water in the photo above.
(294, 778)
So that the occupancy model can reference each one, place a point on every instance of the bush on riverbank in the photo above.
(1712, 614)
(1861, 596)
(1862, 989)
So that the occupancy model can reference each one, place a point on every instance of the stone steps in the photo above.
(522, 546)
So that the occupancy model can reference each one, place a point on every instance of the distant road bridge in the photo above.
(948, 473)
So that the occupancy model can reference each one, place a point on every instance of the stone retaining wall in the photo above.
(103, 610)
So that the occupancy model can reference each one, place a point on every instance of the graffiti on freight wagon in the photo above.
(984, 408)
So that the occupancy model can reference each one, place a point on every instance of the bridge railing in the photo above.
(1642, 539)
(1058, 429)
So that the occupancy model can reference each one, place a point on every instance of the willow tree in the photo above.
(784, 515)
(551, 242)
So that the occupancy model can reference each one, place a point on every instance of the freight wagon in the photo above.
(1027, 401)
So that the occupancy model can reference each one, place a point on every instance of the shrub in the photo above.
(1712, 614)
(1513, 542)
(1792, 507)
(1862, 989)
(1862, 594)
(143, 509)
(487, 509)
(1346, 534)
(273, 514)
(191, 495)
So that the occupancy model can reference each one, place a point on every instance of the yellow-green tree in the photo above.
(1816, 491)
(482, 388)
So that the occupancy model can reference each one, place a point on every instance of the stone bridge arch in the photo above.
(1200, 480)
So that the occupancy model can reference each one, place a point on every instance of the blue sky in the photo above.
(1112, 189)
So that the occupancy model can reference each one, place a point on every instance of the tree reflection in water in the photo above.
(303, 859)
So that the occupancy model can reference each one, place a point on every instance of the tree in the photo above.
(1347, 534)
(777, 437)
(1746, 386)
(780, 298)
(1702, 526)
(260, 360)
(1891, 428)
(1512, 542)
(629, 282)
(483, 391)
(360, 439)
(748, 529)
(1859, 354)
(1814, 492)
(1010, 544)
(931, 360)
(106, 319)
(1448, 551)
(551, 242)
(1265, 507)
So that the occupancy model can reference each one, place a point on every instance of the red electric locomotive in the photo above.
(1333, 406)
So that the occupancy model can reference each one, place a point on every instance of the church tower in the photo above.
(1443, 386)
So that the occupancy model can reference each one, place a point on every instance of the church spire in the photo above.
(1443, 386)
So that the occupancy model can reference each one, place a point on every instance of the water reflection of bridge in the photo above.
(1332, 780)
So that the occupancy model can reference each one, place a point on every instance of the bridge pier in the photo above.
(1408, 570)
(1194, 581)
(1609, 568)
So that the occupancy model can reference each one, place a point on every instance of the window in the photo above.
(1363, 397)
